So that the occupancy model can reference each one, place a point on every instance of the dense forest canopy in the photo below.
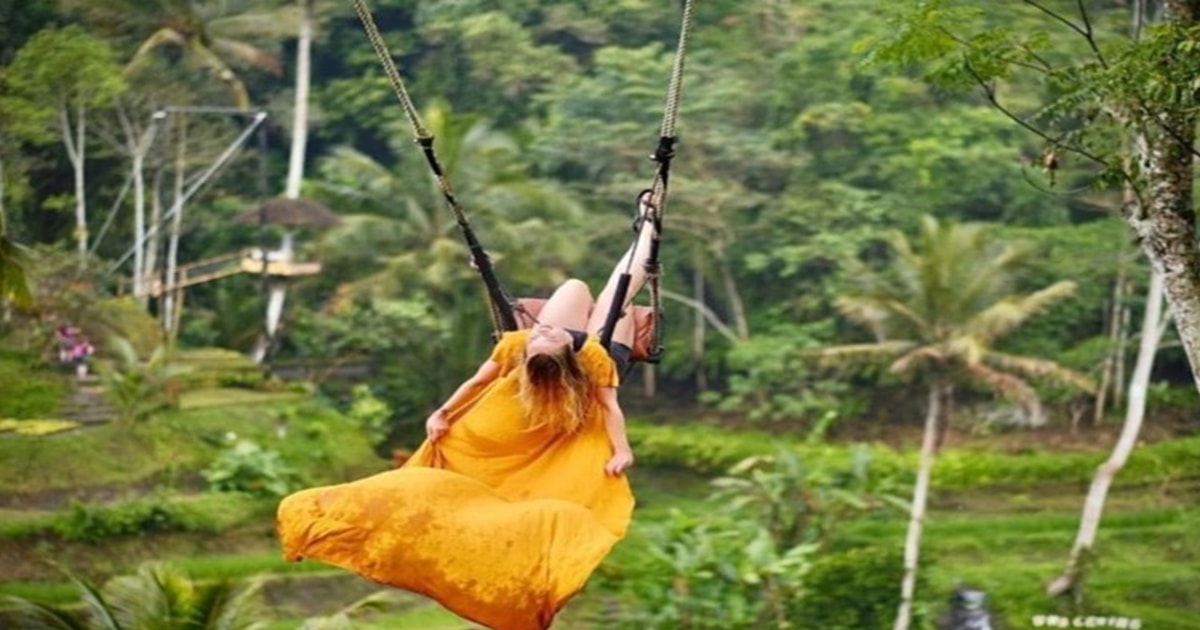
(799, 153)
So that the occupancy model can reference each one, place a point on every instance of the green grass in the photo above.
(171, 446)
(990, 526)
(230, 397)
(28, 390)
(424, 617)
(1147, 565)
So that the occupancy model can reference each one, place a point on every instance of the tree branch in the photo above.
(707, 312)
(990, 92)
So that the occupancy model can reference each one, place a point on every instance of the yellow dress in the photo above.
(498, 523)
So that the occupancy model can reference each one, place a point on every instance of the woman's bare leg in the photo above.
(639, 252)
(568, 306)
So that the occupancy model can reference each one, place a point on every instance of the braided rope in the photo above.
(389, 68)
(671, 109)
(663, 155)
(499, 301)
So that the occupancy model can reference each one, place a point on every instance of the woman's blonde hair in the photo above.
(554, 391)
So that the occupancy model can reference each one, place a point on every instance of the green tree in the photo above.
(398, 240)
(936, 313)
(14, 285)
(1119, 98)
(157, 596)
(69, 72)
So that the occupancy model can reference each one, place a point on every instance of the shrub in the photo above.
(248, 467)
(139, 388)
(708, 450)
(853, 589)
(371, 413)
(93, 523)
(713, 571)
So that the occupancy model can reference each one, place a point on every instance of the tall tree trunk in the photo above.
(139, 223)
(154, 237)
(912, 541)
(169, 296)
(1166, 224)
(138, 145)
(74, 137)
(698, 327)
(1111, 359)
(1124, 321)
(736, 307)
(277, 292)
(295, 172)
(1153, 325)
(649, 380)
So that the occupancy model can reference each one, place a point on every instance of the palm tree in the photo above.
(397, 238)
(935, 314)
(157, 596)
(400, 216)
(213, 35)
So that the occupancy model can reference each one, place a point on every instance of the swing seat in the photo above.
(644, 323)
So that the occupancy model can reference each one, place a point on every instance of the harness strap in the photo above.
(663, 154)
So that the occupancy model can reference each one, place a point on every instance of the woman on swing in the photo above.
(518, 493)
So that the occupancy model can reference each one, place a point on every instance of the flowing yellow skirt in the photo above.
(509, 565)
(498, 523)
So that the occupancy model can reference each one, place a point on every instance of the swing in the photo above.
(508, 313)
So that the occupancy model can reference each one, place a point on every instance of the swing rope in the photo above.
(501, 304)
(663, 154)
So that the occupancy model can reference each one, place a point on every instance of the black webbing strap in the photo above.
(658, 195)
(503, 317)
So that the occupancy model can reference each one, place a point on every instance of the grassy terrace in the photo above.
(996, 524)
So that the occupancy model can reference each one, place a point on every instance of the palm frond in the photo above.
(965, 349)
(162, 37)
(221, 70)
(276, 24)
(854, 353)
(917, 356)
(1004, 316)
(1041, 369)
(248, 54)
(1008, 386)
(21, 613)
(97, 607)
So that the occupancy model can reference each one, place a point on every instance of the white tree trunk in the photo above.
(139, 224)
(138, 146)
(155, 234)
(73, 138)
(300, 111)
(1166, 224)
(698, 327)
(912, 541)
(1153, 326)
(295, 175)
(736, 306)
(169, 301)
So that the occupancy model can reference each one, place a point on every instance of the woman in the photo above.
(519, 492)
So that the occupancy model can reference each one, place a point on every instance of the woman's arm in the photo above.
(438, 422)
(614, 424)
